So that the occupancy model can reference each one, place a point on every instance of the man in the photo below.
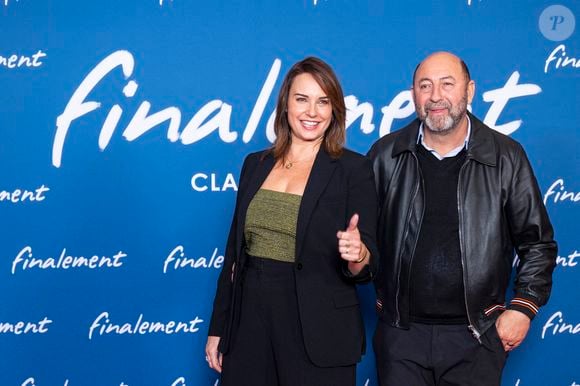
(456, 200)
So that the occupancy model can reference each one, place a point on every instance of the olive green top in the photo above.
(270, 228)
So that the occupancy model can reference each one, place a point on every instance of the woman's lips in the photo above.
(309, 124)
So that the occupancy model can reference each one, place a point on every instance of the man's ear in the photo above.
(470, 91)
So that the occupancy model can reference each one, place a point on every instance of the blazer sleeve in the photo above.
(362, 199)
(223, 296)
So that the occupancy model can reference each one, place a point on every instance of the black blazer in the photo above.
(329, 313)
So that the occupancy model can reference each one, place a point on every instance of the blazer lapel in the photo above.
(256, 179)
(320, 175)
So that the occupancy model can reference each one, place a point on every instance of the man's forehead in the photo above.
(422, 78)
(439, 66)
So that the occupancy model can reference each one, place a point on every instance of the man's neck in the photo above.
(443, 143)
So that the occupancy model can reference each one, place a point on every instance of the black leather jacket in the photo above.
(500, 211)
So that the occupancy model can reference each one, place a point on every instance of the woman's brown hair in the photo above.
(334, 136)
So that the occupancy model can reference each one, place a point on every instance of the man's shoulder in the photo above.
(503, 143)
(385, 144)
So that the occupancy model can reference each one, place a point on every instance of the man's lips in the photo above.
(437, 110)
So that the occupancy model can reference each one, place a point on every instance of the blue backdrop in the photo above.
(123, 125)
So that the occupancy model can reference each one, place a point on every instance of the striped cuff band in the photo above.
(496, 307)
(526, 306)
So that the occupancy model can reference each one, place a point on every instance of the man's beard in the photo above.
(443, 124)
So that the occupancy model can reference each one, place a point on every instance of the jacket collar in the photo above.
(264, 167)
(320, 175)
(481, 147)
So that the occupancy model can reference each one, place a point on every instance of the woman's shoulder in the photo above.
(351, 157)
(257, 156)
(346, 152)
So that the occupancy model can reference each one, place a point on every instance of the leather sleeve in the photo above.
(532, 236)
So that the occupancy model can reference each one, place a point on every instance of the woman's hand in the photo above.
(350, 246)
(212, 355)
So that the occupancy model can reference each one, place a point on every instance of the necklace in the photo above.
(289, 163)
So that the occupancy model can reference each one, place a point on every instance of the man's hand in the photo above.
(512, 327)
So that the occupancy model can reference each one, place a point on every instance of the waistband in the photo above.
(265, 263)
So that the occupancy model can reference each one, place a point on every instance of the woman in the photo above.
(303, 233)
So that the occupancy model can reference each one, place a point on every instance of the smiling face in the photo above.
(309, 109)
(441, 91)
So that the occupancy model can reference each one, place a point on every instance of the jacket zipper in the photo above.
(471, 327)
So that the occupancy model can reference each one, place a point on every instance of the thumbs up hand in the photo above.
(350, 245)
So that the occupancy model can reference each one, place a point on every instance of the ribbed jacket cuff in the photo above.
(524, 304)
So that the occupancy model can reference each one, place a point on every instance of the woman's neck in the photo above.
(303, 150)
